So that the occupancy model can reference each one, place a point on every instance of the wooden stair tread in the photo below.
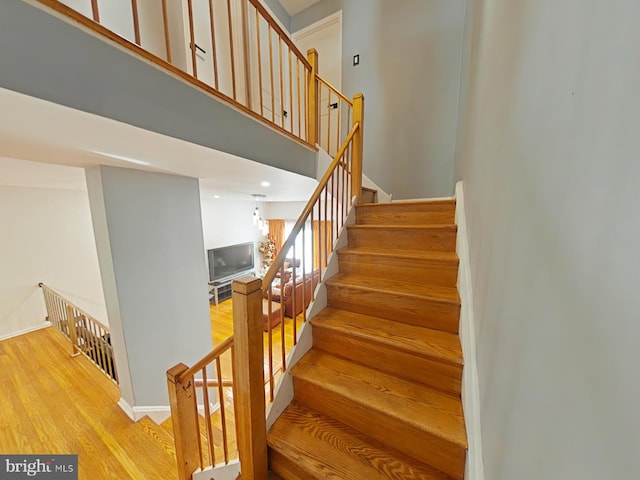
(409, 402)
(433, 256)
(394, 286)
(323, 448)
(419, 341)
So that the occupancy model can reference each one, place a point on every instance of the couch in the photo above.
(285, 295)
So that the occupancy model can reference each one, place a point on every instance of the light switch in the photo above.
(356, 60)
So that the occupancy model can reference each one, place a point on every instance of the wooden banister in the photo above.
(281, 33)
(282, 254)
(356, 168)
(334, 90)
(313, 103)
(184, 417)
(248, 373)
(210, 357)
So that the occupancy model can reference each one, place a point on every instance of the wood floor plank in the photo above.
(53, 403)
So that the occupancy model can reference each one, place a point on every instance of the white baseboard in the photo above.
(470, 386)
(25, 330)
(157, 413)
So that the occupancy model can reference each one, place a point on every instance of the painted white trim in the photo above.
(283, 394)
(6, 336)
(470, 385)
(326, 22)
(219, 472)
(157, 413)
(126, 408)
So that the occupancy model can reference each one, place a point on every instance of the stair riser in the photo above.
(425, 312)
(398, 215)
(422, 445)
(436, 240)
(287, 468)
(446, 377)
(426, 271)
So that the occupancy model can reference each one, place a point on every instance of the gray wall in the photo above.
(410, 55)
(55, 61)
(549, 157)
(281, 14)
(148, 230)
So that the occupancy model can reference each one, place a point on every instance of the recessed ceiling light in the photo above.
(265, 184)
(216, 196)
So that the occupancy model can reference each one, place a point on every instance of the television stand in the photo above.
(220, 290)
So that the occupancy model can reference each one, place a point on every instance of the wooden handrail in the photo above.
(87, 335)
(306, 212)
(207, 359)
(212, 383)
(334, 90)
(77, 308)
(281, 33)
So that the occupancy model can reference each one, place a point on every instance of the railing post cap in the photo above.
(312, 51)
(246, 285)
(174, 372)
(358, 96)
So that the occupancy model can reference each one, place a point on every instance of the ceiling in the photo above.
(294, 7)
(39, 131)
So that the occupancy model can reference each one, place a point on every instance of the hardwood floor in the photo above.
(52, 403)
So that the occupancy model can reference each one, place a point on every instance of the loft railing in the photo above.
(86, 335)
(233, 49)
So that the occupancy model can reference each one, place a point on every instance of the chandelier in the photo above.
(261, 223)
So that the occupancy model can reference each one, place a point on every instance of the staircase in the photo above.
(378, 395)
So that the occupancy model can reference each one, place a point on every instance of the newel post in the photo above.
(358, 143)
(312, 91)
(248, 378)
(184, 417)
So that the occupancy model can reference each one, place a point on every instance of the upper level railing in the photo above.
(86, 334)
(232, 49)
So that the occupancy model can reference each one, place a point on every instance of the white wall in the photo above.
(286, 210)
(409, 74)
(46, 237)
(549, 157)
(227, 222)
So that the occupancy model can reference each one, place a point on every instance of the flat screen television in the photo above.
(230, 260)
